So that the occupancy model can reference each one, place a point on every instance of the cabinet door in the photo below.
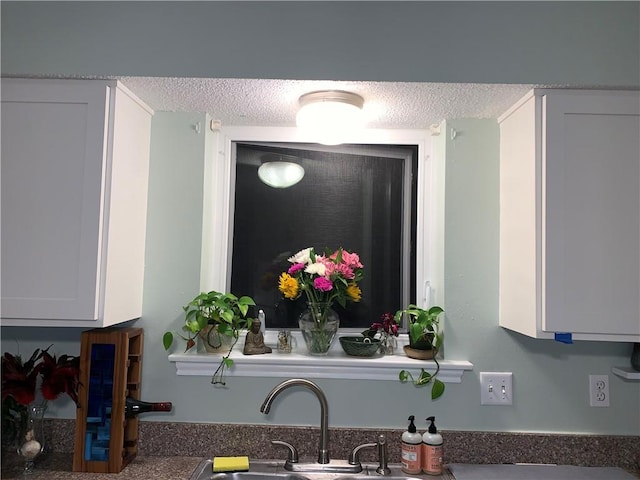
(591, 157)
(53, 154)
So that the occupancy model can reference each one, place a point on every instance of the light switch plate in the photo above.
(496, 388)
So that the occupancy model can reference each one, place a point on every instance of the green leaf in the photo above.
(415, 331)
(404, 376)
(437, 389)
(227, 362)
(424, 377)
(167, 340)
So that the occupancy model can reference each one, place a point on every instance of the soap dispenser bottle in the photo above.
(432, 449)
(411, 449)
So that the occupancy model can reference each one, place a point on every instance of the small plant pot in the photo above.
(419, 354)
(213, 341)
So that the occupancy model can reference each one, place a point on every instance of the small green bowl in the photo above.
(357, 347)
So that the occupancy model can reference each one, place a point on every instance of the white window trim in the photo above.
(219, 178)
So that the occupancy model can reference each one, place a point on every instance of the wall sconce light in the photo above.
(330, 115)
(280, 174)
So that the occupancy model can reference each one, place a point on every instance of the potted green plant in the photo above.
(425, 340)
(213, 316)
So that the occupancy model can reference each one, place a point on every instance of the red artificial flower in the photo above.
(19, 379)
(60, 376)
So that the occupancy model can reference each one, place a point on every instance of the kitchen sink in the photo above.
(258, 470)
(274, 470)
(252, 476)
(373, 474)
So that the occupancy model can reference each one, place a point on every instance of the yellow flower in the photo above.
(288, 286)
(353, 290)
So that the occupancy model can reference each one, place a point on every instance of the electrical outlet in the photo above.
(599, 390)
(496, 388)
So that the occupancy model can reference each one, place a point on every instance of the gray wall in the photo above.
(486, 42)
(573, 43)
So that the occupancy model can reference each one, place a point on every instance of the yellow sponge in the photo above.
(230, 464)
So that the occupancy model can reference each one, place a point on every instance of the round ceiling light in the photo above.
(330, 115)
(280, 174)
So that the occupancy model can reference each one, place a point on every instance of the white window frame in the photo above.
(219, 182)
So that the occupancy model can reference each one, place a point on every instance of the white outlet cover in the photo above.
(599, 390)
(496, 388)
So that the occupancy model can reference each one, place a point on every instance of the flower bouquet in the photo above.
(323, 279)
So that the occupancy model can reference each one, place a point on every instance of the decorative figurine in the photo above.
(254, 341)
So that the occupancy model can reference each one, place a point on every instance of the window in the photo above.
(359, 197)
(412, 236)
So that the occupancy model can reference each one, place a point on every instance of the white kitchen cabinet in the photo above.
(570, 215)
(75, 165)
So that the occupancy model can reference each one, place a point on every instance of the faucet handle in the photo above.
(354, 457)
(293, 453)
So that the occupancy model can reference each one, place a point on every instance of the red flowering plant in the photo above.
(19, 381)
(387, 328)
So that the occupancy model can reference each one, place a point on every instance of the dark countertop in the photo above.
(58, 466)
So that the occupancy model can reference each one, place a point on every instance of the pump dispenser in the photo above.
(432, 449)
(411, 449)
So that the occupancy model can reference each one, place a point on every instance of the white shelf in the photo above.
(336, 364)
(626, 372)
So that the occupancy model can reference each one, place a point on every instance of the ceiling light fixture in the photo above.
(330, 115)
(280, 174)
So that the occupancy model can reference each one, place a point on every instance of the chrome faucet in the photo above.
(324, 463)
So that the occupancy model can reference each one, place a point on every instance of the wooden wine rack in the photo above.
(110, 371)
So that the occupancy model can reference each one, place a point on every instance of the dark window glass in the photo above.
(351, 197)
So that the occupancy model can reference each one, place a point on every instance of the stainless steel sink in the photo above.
(373, 475)
(253, 476)
(273, 470)
(258, 470)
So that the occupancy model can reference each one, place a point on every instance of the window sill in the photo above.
(336, 364)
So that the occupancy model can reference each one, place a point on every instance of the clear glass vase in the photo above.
(388, 344)
(319, 324)
(30, 439)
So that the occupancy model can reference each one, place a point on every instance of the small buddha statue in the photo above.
(254, 341)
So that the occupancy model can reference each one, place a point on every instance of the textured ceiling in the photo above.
(240, 102)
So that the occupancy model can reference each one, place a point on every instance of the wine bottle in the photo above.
(135, 407)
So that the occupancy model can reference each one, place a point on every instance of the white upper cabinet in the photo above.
(570, 215)
(75, 165)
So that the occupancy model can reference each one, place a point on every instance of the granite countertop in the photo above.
(58, 466)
